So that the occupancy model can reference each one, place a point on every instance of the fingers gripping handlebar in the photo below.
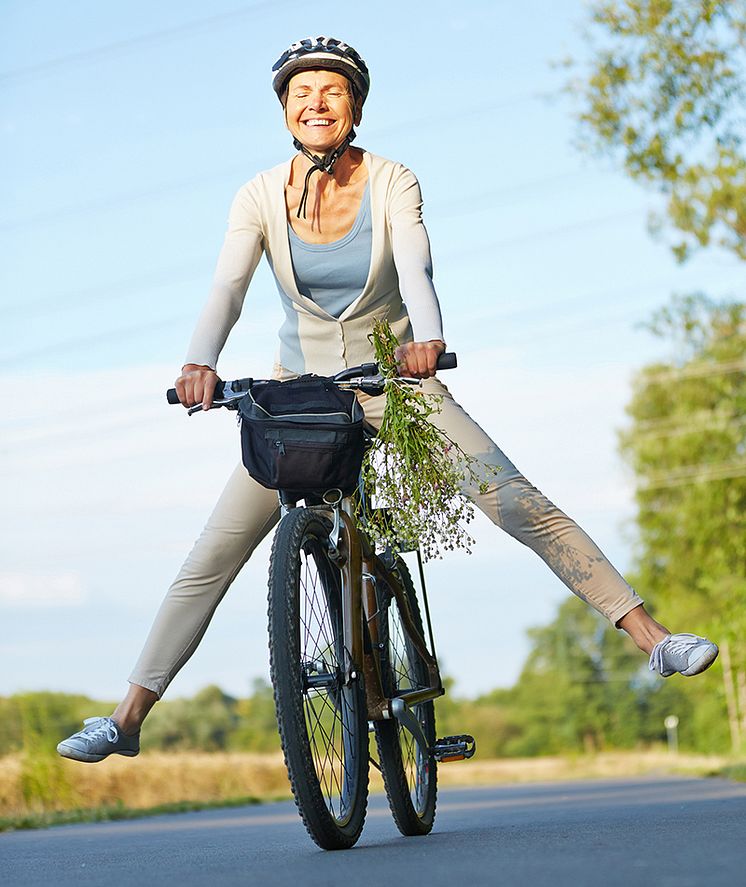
(237, 387)
(446, 361)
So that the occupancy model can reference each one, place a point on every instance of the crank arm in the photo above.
(401, 712)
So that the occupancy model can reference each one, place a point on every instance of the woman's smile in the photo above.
(320, 109)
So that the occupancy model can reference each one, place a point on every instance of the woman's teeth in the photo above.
(318, 122)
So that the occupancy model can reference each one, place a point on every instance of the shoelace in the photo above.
(679, 643)
(107, 728)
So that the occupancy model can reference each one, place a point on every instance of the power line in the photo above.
(108, 203)
(114, 335)
(695, 371)
(109, 336)
(547, 232)
(105, 51)
(692, 474)
(92, 341)
(114, 414)
(702, 420)
(174, 275)
(179, 185)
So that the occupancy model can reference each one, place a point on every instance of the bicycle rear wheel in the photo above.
(409, 776)
(322, 722)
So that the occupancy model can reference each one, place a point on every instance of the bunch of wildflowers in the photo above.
(414, 473)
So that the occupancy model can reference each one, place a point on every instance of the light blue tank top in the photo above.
(334, 274)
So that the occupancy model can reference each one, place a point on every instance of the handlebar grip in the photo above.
(447, 361)
(173, 398)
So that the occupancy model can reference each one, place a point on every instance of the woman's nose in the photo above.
(316, 101)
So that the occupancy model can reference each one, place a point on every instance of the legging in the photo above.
(246, 512)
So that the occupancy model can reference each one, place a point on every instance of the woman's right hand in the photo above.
(196, 384)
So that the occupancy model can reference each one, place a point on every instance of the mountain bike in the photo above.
(349, 657)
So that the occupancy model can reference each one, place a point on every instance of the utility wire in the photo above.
(109, 336)
(694, 371)
(173, 320)
(695, 423)
(153, 38)
(692, 474)
(179, 185)
(127, 333)
(181, 274)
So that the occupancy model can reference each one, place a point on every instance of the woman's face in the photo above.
(320, 109)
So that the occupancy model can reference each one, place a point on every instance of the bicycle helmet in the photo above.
(333, 55)
(321, 52)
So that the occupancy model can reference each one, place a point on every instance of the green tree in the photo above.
(585, 688)
(205, 722)
(663, 90)
(257, 724)
(687, 446)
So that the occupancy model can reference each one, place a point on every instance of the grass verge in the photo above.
(110, 812)
(159, 783)
(736, 772)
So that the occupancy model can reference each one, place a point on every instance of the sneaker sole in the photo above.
(84, 758)
(703, 663)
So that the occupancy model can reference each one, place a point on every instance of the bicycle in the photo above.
(347, 650)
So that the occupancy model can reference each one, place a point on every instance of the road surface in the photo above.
(646, 832)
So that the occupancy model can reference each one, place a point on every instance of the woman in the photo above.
(343, 233)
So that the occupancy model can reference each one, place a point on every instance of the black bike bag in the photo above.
(304, 435)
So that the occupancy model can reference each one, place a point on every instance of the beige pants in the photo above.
(246, 512)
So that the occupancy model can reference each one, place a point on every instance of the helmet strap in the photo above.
(325, 163)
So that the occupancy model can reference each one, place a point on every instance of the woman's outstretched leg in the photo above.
(243, 516)
(514, 504)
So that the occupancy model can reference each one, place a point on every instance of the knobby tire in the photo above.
(410, 778)
(323, 723)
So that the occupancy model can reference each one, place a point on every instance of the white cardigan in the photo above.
(311, 339)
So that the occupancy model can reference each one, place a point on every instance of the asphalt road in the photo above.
(647, 832)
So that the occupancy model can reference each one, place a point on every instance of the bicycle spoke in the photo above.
(322, 721)
(403, 661)
(328, 712)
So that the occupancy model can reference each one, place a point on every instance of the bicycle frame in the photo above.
(361, 570)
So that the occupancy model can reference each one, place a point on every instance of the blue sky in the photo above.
(124, 133)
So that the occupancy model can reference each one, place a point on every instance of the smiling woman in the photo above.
(343, 233)
(320, 112)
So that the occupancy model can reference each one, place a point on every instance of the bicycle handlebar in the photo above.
(349, 376)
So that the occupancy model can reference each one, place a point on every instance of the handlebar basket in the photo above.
(302, 436)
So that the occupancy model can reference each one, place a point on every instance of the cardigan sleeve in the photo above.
(236, 264)
(411, 250)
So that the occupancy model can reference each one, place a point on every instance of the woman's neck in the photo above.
(344, 169)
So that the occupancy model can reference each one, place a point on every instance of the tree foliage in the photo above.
(687, 446)
(664, 91)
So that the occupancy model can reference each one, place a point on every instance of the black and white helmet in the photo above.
(321, 52)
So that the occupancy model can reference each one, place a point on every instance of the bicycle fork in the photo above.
(358, 565)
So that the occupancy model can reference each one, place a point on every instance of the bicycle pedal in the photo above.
(454, 748)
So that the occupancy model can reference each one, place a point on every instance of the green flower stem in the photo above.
(414, 470)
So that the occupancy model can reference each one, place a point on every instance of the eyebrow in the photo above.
(323, 88)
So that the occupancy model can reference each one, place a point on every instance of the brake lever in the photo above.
(230, 403)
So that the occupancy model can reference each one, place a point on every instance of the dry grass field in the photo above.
(157, 778)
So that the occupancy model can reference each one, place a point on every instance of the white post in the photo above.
(671, 724)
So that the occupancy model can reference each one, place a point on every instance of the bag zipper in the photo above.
(288, 415)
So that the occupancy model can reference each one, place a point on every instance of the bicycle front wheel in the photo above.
(322, 721)
(409, 776)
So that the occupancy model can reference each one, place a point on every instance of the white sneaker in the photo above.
(100, 738)
(686, 653)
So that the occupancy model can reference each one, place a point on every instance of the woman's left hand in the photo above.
(419, 359)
